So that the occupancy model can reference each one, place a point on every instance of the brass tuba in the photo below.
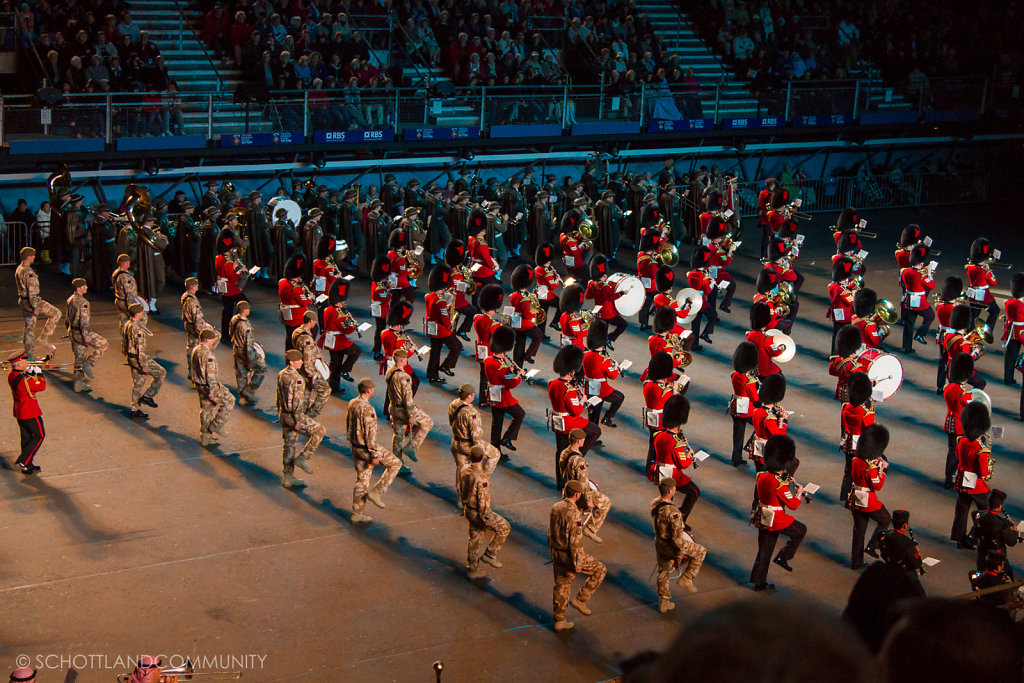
(783, 299)
(585, 234)
(980, 333)
(885, 313)
(668, 254)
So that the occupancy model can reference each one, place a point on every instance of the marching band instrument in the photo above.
(187, 673)
(780, 339)
(585, 234)
(678, 351)
(883, 369)
(412, 263)
(43, 363)
(980, 333)
(631, 294)
(586, 319)
(322, 368)
(979, 396)
(787, 478)
(783, 298)
(688, 296)
(540, 316)
(886, 313)
(290, 205)
(668, 255)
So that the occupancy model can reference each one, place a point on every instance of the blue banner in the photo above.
(458, 133)
(888, 118)
(538, 130)
(328, 136)
(57, 146)
(826, 120)
(662, 126)
(611, 128)
(261, 139)
(754, 122)
(170, 142)
(954, 115)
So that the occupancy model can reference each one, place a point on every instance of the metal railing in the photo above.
(13, 236)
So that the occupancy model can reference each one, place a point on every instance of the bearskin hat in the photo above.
(847, 219)
(597, 335)
(380, 268)
(664, 278)
(780, 197)
(975, 419)
(598, 267)
(911, 235)
(773, 388)
(776, 248)
(338, 291)
(701, 257)
(919, 255)
(294, 266)
(744, 358)
(676, 411)
(952, 288)
(848, 340)
(400, 313)
(1017, 285)
(571, 300)
(874, 439)
(779, 452)
(981, 249)
(568, 360)
(325, 247)
(848, 240)
(961, 367)
(664, 319)
(225, 240)
(864, 302)
(522, 276)
(455, 253)
(439, 278)
(502, 339)
(766, 281)
(788, 228)
(649, 239)
(842, 269)
(717, 227)
(545, 252)
(760, 315)
(661, 366)
(397, 239)
(858, 388)
(960, 317)
(491, 297)
(477, 221)
(714, 201)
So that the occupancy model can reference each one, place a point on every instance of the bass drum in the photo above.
(631, 294)
(288, 204)
(884, 369)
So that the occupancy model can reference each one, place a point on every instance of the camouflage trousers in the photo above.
(52, 315)
(148, 383)
(190, 344)
(364, 474)
(692, 555)
(595, 572)
(88, 353)
(214, 409)
(490, 462)
(249, 376)
(479, 526)
(602, 504)
(317, 393)
(418, 423)
(303, 425)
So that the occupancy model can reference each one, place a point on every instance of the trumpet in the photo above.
(43, 364)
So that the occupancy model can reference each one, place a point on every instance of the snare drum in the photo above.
(884, 369)
(632, 293)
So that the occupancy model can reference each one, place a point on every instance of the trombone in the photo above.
(187, 673)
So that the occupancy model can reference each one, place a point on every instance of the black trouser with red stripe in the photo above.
(614, 401)
(32, 435)
(551, 320)
(739, 428)
(520, 352)
(909, 318)
(766, 541)
(616, 326)
(468, 312)
(961, 514)
(860, 526)
(342, 360)
(517, 414)
(645, 310)
(454, 346)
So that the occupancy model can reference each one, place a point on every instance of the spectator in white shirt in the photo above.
(742, 47)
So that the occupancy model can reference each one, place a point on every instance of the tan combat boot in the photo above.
(686, 584)
(589, 533)
(666, 606)
(581, 606)
(475, 573)
(302, 462)
(360, 518)
(375, 498)
(563, 626)
(289, 481)
(491, 560)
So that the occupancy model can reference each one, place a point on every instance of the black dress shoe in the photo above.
(706, 337)
(965, 545)
(609, 345)
(378, 357)
(872, 552)
(644, 327)
(696, 347)
(607, 421)
(599, 442)
(741, 463)
(724, 309)
(920, 340)
(146, 400)
(782, 563)
(909, 351)
(138, 414)
(463, 336)
(30, 469)
(758, 587)
(507, 443)
(438, 380)
(448, 372)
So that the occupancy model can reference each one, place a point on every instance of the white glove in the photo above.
(33, 370)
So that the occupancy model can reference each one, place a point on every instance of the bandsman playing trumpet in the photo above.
(87, 346)
(295, 419)
(673, 455)
(304, 341)
(574, 246)
(1013, 330)
(573, 466)
(231, 277)
(490, 298)
(956, 396)
(916, 281)
(661, 383)
(402, 266)
(673, 547)
(524, 322)
(848, 244)
(857, 413)
(981, 280)
(722, 248)
(745, 399)
(26, 381)
(868, 472)
(361, 427)
(440, 308)
(502, 377)
(764, 202)
(973, 468)
(468, 433)
(548, 281)
(250, 363)
(840, 293)
(574, 322)
(769, 419)
(567, 403)
(951, 296)
(959, 340)
(338, 325)
(215, 401)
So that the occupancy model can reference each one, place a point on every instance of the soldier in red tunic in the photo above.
(599, 369)
(917, 282)
(868, 472)
(338, 325)
(981, 280)
(26, 381)
(744, 396)
(774, 497)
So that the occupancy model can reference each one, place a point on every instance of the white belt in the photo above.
(776, 508)
(862, 488)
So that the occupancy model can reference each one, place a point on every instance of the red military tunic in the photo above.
(721, 259)
(956, 397)
(743, 386)
(646, 270)
(981, 279)
(572, 251)
(765, 365)
(655, 395)
(294, 300)
(673, 453)
(521, 303)
(324, 273)
(547, 284)
(598, 370)
(438, 321)
(703, 283)
(854, 419)
(840, 308)
(903, 258)
(391, 342)
(971, 458)
(604, 295)
(380, 300)
(842, 369)
(775, 494)
(780, 273)
(869, 332)
(340, 325)
(681, 312)
(1014, 328)
(483, 326)
(915, 288)
(866, 476)
(567, 403)
(500, 375)
(572, 329)
(459, 288)
(773, 308)
(24, 389)
(480, 255)
(227, 278)
(399, 269)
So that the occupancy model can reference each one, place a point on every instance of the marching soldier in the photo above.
(187, 240)
(957, 396)
(721, 253)
(565, 542)
(955, 341)
(865, 302)
(32, 305)
(573, 248)
(192, 319)
(868, 473)
(760, 319)
(361, 425)
(843, 364)
(974, 468)
(338, 324)
(294, 297)
(474, 491)
(573, 466)
(259, 233)
(769, 418)
(439, 326)
(215, 401)
(673, 546)
(981, 280)
(210, 197)
(673, 455)
(773, 496)
(87, 346)
(325, 267)
(599, 369)
(840, 294)
(399, 255)
(604, 296)
(540, 226)
(26, 381)
(502, 378)
(547, 280)
(917, 281)
(567, 403)
(207, 274)
(103, 238)
(380, 301)
(524, 323)
(250, 358)
(490, 297)
(764, 203)
(284, 241)
(408, 422)
(231, 277)
(993, 531)
(468, 432)
(145, 370)
(394, 338)
(485, 267)
(126, 289)
(909, 238)
(310, 234)
(292, 397)
(318, 388)
(661, 383)
(698, 279)
(1013, 331)
(899, 549)
(571, 324)
(744, 396)
(857, 414)
(461, 283)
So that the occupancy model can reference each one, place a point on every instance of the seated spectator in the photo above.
(127, 27)
(104, 49)
(217, 31)
(303, 75)
(75, 75)
(238, 34)
(96, 71)
(53, 73)
(110, 30)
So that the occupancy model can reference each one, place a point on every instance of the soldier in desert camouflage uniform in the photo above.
(250, 363)
(468, 431)
(32, 305)
(572, 465)
(409, 424)
(147, 375)
(192, 319)
(565, 542)
(87, 346)
(215, 401)
(317, 388)
(475, 492)
(126, 290)
(295, 421)
(673, 546)
(361, 425)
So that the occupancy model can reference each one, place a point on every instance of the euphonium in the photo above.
(668, 254)
(538, 313)
(413, 265)
(980, 333)
(678, 350)
(586, 319)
